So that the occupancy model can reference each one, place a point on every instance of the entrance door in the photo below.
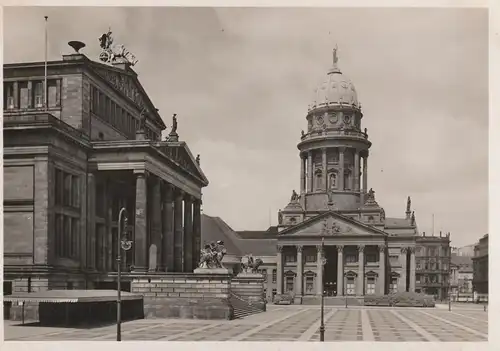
(330, 273)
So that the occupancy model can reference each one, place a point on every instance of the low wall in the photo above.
(250, 287)
(185, 295)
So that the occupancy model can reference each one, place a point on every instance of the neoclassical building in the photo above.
(76, 154)
(333, 234)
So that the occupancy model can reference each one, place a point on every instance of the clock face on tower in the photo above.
(319, 119)
(333, 117)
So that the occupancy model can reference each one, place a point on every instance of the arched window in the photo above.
(333, 181)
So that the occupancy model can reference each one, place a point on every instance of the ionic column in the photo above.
(299, 282)
(302, 174)
(361, 270)
(412, 269)
(140, 239)
(196, 232)
(188, 234)
(356, 170)
(381, 272)
(279, 270)
(309, 172)
(340, 270)
(325, 170)
(155, 246)
(16, 94)
(178, 253)
(402, 279)
(341, 169)
(30, 94)
(168, 229)
(365, 173)
(319, 270)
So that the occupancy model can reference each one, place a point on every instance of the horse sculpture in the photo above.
(212, 254)
(249, 264)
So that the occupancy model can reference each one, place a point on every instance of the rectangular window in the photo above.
(351, 258)
(350, 286)
(52, 86)
(310, 258)
(417, 278)
(393, 287)
(8, 94)
(67, 190)
(264, 273)
(38, 94)
(290, 258)
(75, 234)
(370, 286)
(289, 284)
(274, 275)
(309, 285)
(23, 95)
(371, 258)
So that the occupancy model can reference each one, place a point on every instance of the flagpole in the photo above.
(45, 75)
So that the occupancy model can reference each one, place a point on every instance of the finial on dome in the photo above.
(335, 68)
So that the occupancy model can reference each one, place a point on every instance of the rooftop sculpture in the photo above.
(114, 53)
(249, 264)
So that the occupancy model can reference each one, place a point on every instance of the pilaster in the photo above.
(356, 170)
(310, 171)
(325, 170)
(341, 169)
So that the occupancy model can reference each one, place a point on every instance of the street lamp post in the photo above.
(322, 322)
(449, 284)
(123, 244)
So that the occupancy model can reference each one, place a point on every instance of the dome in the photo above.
(335, 88)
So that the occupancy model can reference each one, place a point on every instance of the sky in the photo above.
(240, 81)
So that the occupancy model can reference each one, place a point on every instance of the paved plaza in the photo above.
(289, 323)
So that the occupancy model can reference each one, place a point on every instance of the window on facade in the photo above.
(274, 292)
(333, 181)
(264, 273)
(289, 284)
(310, 257)
(8, 95)
(393, 287)
(417, 278)
(350, 286)
(290, 258)
(418, 265)
(53, 95)
(371, 257)
(318, 180)
(38, 94)
(370, 286)
(23, 95)
(347, 186)
(351, 258)
(274, 275)
(309, 285)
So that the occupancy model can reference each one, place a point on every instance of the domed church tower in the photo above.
(334, 149)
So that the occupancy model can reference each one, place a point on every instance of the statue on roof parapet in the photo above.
(294, 197)
(114, 53)
(198, 159)
(249, 264)
(173, 136)
(280, 217)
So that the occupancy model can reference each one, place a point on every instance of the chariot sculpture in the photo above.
(212, 254)
(114, 53)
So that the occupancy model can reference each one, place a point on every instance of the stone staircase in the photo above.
(242, 307)
(333, 300)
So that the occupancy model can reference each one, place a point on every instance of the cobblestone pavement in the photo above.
(287, 323)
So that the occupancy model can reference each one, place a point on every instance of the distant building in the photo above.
(461, 278)
(465, 251)
(480, 264)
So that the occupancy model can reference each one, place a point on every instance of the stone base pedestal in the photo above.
(250, 287)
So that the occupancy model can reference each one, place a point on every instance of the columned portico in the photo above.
(140, 240)
(381, 272)
(178, 235)
(279, 270)
(412, 269)
(188, 234)
(402, 260)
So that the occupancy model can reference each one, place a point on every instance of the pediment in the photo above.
(332, 224)
(128, 85)
(180, 154)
